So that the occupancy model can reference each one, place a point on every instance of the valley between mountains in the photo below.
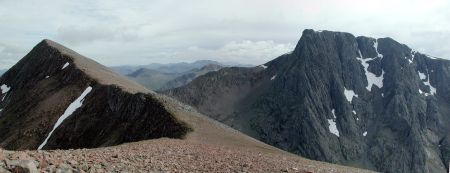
(63, 112)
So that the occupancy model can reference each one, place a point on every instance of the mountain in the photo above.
(55, 98)
(52, 82)
(156, 80)
(152, 79)
(359, 101)
(189, 76)
(182, 67)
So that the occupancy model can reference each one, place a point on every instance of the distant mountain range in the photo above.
(182, 67)
(359, 101)
(168, 76)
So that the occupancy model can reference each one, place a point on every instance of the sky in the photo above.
(136, 32)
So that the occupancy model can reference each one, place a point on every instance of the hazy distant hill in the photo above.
(155, 80)
(174, 67)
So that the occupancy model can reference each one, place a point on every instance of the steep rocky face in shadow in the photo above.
(43, 86)
(359, 101)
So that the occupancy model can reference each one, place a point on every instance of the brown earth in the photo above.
(170, 155)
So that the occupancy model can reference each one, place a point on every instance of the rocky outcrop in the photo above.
(360, 101)
(44, 86)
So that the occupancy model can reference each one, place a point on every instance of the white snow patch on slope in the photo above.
(263, 66)
(365, 133)
(413, 55)
(422, 76)
(72, 108)
(354, 112)
(46, 77)
(332, 127)
(5, 88)
(349, 94)
(372, 79)
(431, 57)
(65, 65)
(432, 89)
(332, 124)
(273, 77)
(375, 45)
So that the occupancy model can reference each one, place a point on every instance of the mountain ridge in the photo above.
(338, 98)
(99, 110)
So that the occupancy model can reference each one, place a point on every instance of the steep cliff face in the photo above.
(371, 103)
(56, 98)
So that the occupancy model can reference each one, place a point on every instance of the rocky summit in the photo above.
(51, 82)
(358, 101)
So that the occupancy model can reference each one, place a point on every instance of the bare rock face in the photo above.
(365, 102)
(46, 84)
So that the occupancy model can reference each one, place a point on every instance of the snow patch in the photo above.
(431, 57)
(413, 54)
(332, 124)
(349, 94)
(72, 108)
(46, 77)
(273, 77)
(65, 65)
(365, 133)
(372, 79)
(357, 119)
(422, 77)
(263, 66)
(354, 112)
(375, 45)
(5, 88)
(432, 89)
(332, 127)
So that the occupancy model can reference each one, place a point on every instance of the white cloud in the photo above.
(141, 31)
(249, 52)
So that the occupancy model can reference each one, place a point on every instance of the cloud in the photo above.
(9, 55)
(141, 31)
(76, 35)
(249, 52)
